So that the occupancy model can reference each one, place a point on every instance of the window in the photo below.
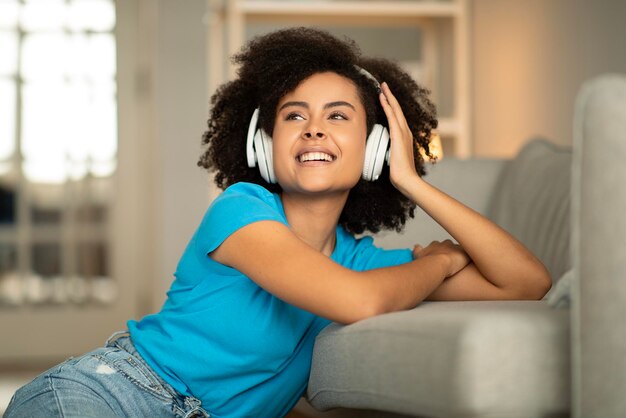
(58, 150)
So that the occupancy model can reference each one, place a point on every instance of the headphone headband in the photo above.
(369, 75)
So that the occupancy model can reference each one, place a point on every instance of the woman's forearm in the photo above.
(501, 259)
(405, 286)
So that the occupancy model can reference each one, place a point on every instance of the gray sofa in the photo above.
(524, 359)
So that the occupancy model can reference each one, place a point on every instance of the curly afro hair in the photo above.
(273, 65)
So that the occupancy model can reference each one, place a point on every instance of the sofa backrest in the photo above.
(532, 202)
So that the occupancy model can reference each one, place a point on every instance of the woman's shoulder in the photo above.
(239, 205)
(246, 197)
(243, 188)
(244, 200)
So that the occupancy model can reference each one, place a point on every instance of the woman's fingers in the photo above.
(389, 112)
(398, 126)
(457, 255)
(401, 161)
(417, 249)
(397, 111)
(393, 102)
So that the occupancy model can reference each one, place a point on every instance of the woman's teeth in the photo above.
(315, 156)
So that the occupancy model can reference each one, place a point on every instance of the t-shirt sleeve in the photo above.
(239, 205)
(368, 256)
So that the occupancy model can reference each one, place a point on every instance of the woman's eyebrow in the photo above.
(287, 104)
(326, 106)
(339, 103)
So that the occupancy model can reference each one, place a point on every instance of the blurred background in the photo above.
(103, 104)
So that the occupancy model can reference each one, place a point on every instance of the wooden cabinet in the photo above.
(437, 31)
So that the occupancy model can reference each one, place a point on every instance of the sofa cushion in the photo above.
(532, 202)
(560, 294)
(447, 359)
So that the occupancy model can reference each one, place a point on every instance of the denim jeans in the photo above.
(112, 381)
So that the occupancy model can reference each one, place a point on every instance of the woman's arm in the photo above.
(271, 255)
(509, 269)
(498, 257)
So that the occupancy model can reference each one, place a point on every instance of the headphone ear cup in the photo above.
(250, 152)
(268, 147)
(260, 147)
(375, 152)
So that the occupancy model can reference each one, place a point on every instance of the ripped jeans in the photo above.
(112, 381)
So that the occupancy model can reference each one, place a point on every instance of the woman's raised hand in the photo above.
(401, 159)
(504, 268)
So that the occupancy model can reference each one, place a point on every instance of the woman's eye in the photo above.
(294, 116)
(338, 116)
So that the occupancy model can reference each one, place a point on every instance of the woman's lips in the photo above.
(315, 156)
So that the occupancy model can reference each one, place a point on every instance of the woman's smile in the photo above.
(315, 157)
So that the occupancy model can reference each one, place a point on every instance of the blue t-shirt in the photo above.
(222, 338)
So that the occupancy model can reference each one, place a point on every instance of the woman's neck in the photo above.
(314, 218)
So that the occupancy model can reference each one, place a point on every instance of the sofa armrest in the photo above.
(599, 249)
(469, 181)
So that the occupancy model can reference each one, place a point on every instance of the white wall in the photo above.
(180, 86)
(529, 59)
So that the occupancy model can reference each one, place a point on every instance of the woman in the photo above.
(299, 141)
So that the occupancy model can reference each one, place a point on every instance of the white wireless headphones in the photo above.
(259, 149)
(259, 146)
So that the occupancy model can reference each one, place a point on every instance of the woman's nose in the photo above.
(313, 131)
(310, 134)
(314, 128)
